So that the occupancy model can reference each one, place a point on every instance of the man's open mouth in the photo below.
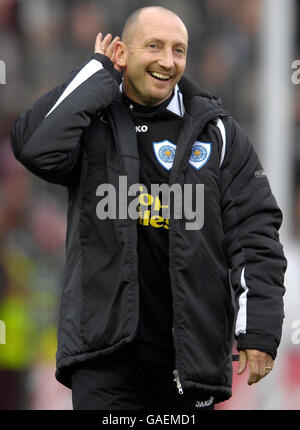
(159, 76)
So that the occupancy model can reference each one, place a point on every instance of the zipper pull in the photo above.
(177, 380)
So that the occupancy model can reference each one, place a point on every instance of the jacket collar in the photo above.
(188, 96)
(176, 104)
(197, 101)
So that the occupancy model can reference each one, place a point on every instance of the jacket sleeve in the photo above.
(251, 220)
(46, 138)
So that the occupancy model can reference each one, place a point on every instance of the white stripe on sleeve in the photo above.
(92, 67)
(241, 320)
(221, 127)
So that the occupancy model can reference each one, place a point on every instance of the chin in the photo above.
(156, 97)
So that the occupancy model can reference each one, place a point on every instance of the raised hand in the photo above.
(106, 46)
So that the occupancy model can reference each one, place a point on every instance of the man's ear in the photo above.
(121, 54)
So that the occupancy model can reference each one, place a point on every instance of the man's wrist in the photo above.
(109, 66)
(261, 343)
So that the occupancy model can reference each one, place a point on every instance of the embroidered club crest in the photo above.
(165, 153)
(200, 154)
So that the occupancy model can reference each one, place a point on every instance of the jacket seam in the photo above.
(81, 334)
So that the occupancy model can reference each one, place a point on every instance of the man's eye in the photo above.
(155, 45)
(180, 51)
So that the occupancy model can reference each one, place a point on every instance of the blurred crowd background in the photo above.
(41, 42)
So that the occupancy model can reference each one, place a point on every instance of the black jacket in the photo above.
(81, 135)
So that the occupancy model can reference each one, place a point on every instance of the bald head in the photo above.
(145, 14)
(152, 54)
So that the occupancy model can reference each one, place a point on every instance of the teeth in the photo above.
(159, 75)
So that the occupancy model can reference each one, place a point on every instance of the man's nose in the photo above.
(167, 60)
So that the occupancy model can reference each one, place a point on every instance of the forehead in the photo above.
(160, 26)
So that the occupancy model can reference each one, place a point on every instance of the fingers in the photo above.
(98, 43)
(110, 51)
(105, 45)
(253, 367)
(260, 364)
(255, 371)
(101, 44)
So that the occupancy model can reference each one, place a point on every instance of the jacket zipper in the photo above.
(198, 130)
(177, 380)
(115, 135)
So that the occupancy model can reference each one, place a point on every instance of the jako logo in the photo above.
(2, 72)
(204, 403)
(2, 332)
(141, 128)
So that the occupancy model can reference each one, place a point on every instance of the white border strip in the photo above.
(92, 67)
(176, 104)
(221, 127)
(241, 321)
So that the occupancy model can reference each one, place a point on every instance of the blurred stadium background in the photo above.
(240, 50)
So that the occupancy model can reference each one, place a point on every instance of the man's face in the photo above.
(155, 58)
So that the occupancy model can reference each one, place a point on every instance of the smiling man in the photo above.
(147, 318)
(153, 55)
